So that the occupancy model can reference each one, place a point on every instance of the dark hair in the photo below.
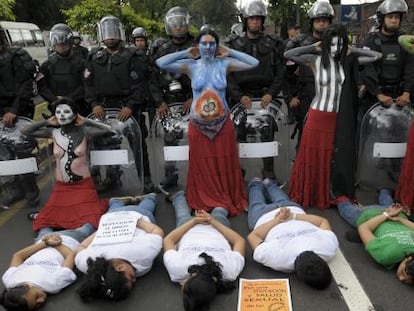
(313, 270)
(334, 30)
(409, 267)
(204, 284)
(207, 31)
(64, 101)
(12, 298)
(103, 281)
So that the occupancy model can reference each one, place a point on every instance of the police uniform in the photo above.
(17, 70)
(266, 78)
(63, 76)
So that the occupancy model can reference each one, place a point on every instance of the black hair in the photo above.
(313, 270)
(12, 299)
(204, 284)
(409, 267)
(334, 30)
(103, 281)
(65, 101)
(207, 31)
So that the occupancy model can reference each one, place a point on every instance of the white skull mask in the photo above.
(64, 114)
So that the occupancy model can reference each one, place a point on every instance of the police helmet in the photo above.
(3, 38)
(321, 9)
(110, 27)
(177, 22)
(254, 8)
(61, 34)
(76, 35)
(391, 6)
(206, 27)
(139, 32)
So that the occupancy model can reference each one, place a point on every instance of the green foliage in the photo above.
(6, 10)
(86, 15)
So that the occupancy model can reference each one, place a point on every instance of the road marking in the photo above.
(349, 286)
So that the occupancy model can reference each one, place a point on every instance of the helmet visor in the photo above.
(59, 37)
(111, 29)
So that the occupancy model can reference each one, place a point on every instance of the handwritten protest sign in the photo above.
(117, 228)
(264, 295)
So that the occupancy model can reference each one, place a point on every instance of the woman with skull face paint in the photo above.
(311, 173)
(214, 174)
(74, 200)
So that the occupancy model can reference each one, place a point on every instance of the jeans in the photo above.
(257, 200)
(146, 207)
(350, 213)
(183, 211)
(79, 234)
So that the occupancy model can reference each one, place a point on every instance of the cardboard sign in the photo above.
(264, 295)
(116, 228)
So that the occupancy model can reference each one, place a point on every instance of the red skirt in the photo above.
(311, 173)
(405, 188)
(71, 205)
(214, 174)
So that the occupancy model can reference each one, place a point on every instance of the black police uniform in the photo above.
(266, 78)
(63, 76)
(113, 81)
(391, 75)
(170, 88)
(17, 71)
(81, 51)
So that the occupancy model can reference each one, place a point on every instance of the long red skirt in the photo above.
(71, 205)
(405, 188)
(214, 175)
(310, 178)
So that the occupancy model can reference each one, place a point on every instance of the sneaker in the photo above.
(32, 215)
(268, 174)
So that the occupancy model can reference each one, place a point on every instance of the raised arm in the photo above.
(41, 129)
(239, 61)
(93, 128)
(177, 62)
(305, 55)
(365, 56)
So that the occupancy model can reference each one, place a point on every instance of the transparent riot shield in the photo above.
(116, 158)
(382, 146)
(169, 149)
(264, 140)
(21, 159)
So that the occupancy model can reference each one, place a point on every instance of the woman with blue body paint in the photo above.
(214, 174)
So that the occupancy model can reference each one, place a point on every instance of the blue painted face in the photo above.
(207, 47)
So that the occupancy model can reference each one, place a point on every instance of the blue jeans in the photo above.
(257, 200)
(183, 211)
(146, 207)
(350, 213)
(79, 234)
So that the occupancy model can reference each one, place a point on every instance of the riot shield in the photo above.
(382, 146)
(21, 159)
(169, 149)
(264, 140)
(116, 158)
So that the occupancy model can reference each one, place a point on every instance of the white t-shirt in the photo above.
(140, 251)
(43, 269)
(202, 238)
(284, 242)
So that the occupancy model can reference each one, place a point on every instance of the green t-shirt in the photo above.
(393, 241)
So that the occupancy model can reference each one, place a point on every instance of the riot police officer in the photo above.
(264, 81)
(77, 47)
(62, 73)
(390, 78)
(320, 16)
(167, 87)
(17, 71)
(113, 80)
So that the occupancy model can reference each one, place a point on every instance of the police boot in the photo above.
(11, 193)
(171, 177)
(112, 179)
(148, 185)
(28, 182)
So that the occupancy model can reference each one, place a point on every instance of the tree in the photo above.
(6, 9)
(84, 16)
